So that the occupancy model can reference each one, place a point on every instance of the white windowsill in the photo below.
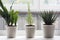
(24, 38)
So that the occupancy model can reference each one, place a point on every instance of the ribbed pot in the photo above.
(49, 31)
(11, 31)
(30, 31)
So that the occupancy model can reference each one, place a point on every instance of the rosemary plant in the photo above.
(29, 17)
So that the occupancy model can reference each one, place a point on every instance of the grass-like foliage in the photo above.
(48, 17)
(9, 16)
(13, 17)
(29, 18)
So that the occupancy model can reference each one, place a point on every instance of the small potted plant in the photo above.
(13, 23)
(10, 18)
(30, 28)
(49, 18)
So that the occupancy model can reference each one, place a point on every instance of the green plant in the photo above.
(48, 17)
(29, 17)
(9, 16)
(13, 17)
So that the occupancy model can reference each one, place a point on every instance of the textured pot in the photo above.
(11, 31)
(30, 31)
(49, 31)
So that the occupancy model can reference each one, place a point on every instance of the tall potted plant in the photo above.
(49, 18)
(10, 18)
(30, 28)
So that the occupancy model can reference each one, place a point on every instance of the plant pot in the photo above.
(30, 31)
(11, 31)
(49, 31)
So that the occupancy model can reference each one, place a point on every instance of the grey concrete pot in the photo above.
(49, 31)
(11, 31)
(30, 31)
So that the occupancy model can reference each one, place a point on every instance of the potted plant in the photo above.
(13, 23)
(10, 18)
(30, 28)
(49, 18)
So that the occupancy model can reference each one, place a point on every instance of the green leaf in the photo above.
(48, 17)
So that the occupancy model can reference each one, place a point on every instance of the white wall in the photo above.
(34, 6)
(51, 5)
(37, 5)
